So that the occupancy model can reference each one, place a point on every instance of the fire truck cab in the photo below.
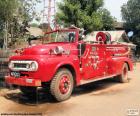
(67, 61)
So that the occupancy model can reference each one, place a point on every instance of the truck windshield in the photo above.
(60, 36)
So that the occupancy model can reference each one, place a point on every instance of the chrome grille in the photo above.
(20, 65)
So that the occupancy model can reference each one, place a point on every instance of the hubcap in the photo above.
(64, 85)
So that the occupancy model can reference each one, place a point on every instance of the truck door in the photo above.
(94, 62)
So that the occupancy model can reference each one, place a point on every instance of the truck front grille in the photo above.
(20, 65)
(23, 65)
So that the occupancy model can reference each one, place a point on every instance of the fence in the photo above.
(4, 57)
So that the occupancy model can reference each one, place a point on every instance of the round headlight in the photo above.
(34, 66)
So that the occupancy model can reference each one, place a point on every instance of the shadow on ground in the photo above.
(39, 98)
(44, 97)
(94, 87)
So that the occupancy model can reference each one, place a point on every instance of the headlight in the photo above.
(23, 65)
(33, 66)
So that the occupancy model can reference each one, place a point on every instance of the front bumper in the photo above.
(23, 81)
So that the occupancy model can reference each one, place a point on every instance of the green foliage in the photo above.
(131, 14)
(27, 9)
(14, 17)
(87, 14)
(7, 9)
(107, 19)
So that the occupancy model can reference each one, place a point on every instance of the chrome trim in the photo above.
(11, 65)
(97, 79)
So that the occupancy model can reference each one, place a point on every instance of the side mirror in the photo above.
(130, 33)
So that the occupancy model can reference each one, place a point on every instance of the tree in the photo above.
(107, 20)
(131, 15)
(87, 14)
(7, 8)
(14, 16)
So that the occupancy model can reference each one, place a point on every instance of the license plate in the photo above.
(15, 74)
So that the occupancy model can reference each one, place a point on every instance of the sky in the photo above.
(114, 6)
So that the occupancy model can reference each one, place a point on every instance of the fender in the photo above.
(118, 63)
(54, 63)
(129, 63)
(75, 67)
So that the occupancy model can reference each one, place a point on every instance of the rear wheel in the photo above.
(61, 85)
(123, 77)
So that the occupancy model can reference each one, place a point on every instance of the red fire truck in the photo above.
(67, 61)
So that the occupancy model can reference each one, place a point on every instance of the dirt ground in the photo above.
(104, 98)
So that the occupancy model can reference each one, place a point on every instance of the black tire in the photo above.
(123, 77)
(62, 85)
(28, 90)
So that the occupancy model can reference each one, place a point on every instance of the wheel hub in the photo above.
(64, 84)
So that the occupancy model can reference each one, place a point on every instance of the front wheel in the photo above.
(62, 84)
(123, 77)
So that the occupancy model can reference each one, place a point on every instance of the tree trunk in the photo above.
(5, 46)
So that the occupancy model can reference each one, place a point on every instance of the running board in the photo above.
(98, 79)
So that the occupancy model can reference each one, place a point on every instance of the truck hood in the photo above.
(45, 49)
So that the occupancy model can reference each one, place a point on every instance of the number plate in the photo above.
(15, 74)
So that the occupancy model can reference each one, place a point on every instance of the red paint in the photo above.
(64, 84)
(23, 81)
(97, 61)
